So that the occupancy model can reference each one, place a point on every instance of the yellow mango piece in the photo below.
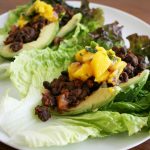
(100, 64)
(87, 57)
(79, 55)
(72, 69)
(84, 56)
(118, 65)
(21, 22)
(103, 77)
(117, 70)
(84, 72)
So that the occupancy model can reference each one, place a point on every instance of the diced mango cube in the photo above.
(103, 77)
(84, 72)
(73, 68)
(117, 70)
(100, 64)
(84, 56)
(21, 22)
(118, 65)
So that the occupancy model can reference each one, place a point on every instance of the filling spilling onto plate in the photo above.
(30, 24)
(94, 68)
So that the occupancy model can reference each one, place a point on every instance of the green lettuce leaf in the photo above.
(24, 128)
(147, 85)
(140, 106)
(109, 123)
(4, 67)
(78, 128)
(11, 107)
(140, 44)
(34, 67)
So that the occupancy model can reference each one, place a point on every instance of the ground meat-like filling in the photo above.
(135, 64)
(62, 94)
(30, 32)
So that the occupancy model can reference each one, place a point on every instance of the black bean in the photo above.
(124, 77)
(132, 59)
(129, 69)
(47, 85)
(43, 113)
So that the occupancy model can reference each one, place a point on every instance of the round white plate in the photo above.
(121, 141)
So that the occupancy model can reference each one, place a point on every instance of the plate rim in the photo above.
(107, 7)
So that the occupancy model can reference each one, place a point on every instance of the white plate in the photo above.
(121, 141)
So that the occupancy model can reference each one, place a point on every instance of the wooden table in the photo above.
(138, 8)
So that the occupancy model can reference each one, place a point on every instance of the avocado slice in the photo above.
(70, 25)
(130, 89)
(46, 36)
(93, 102)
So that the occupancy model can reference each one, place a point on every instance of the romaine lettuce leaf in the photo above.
(147, 85)
(34, 67)
(78, 128)
(19, 114)
(140, 106)
(21, 125)
(4, 66)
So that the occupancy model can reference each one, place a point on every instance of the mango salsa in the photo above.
(101, 64)
(44, 10)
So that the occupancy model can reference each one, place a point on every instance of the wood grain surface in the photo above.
(139, 8)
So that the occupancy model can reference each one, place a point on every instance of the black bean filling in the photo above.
(62, 94)
(30, 32)
(135, 64)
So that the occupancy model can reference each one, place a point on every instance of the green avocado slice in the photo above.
(93, 102)
(130, 89)
(46, 36)
(70, 25)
